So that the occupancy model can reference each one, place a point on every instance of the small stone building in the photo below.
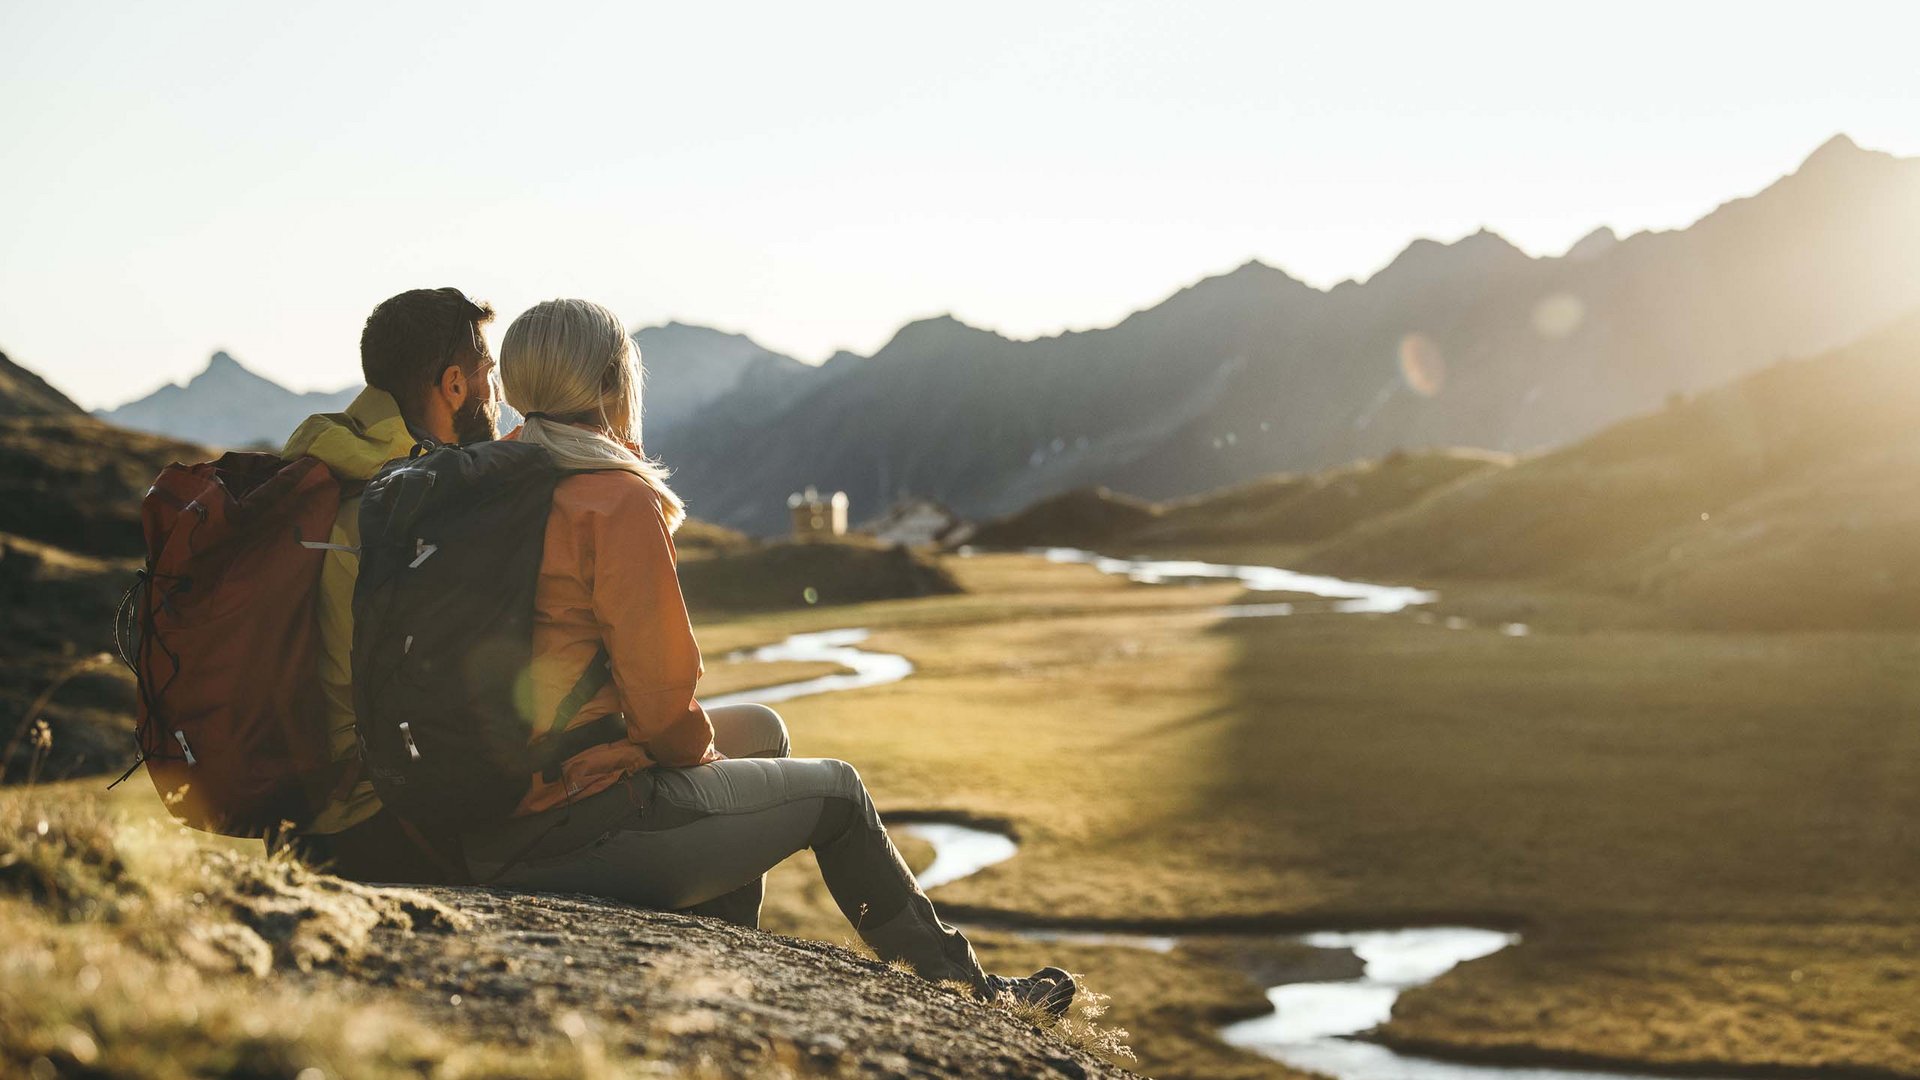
(917, 523)
(814, 515)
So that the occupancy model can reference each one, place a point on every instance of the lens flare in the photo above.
(1422, 366)
(1559, 315)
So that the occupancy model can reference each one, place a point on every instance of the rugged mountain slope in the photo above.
(1789, 497)
(1472, 343)
(22, 393)
(225, 405)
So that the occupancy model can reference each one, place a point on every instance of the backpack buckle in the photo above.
(406, 733)
(422, 551)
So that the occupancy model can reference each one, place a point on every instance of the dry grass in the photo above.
(1080, 1028)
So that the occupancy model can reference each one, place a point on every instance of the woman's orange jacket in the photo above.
(608, 576)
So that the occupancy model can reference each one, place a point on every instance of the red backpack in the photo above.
(222, 633)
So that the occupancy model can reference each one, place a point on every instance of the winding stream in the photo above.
(1350, 597)
(1313, 1024)
(864, 668)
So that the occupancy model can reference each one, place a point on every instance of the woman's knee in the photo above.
(748, 731)
(846, 807)
(846, 779)
(771, 732)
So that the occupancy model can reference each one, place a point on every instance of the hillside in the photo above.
(225, 405)
(1472, 343)
(1788, 497)
(1284, 509)
(1303, 508)
(77, 483)
(787, 576)
(22, 393)
(70, 490)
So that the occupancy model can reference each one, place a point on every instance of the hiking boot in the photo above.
(1049, 988)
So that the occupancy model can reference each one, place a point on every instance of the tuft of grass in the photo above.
(64, 859)
(1080, 1028)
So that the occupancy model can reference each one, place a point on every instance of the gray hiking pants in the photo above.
(702, 839)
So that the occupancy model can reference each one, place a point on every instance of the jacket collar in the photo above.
(357, 442)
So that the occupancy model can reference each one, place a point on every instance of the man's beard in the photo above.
(477, 421)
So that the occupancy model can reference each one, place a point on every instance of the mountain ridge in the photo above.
(1250, 372)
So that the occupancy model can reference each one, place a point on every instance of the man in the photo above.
(429, 377)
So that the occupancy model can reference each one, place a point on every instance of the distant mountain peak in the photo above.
(1481, 239)
(1481, 250)
(942, 328)
(1485, 237)
(945, 318)
(1838, 146)
(1593, 245)
(1264, 272)
(226, 404)
(1838, 153)
(223, 371)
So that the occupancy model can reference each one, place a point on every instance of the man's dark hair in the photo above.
(412, 338)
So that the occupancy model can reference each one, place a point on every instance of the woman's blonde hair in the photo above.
(567, 362)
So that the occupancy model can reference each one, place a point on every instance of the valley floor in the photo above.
(1708, 839)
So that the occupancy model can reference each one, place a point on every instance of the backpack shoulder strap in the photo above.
(559, 744)
(599, 672)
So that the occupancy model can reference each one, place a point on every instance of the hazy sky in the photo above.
(182, 177)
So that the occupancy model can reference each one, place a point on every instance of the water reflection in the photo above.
(1355, 597)
(827, 646)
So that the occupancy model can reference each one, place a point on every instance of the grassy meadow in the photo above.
(1708, 839)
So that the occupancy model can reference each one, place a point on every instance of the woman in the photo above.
(692, 808)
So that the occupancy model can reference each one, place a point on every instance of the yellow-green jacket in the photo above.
(354, 444)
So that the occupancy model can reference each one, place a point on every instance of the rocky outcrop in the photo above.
(142, 951)
(706, 996)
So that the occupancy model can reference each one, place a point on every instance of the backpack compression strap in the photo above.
(559, 743)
